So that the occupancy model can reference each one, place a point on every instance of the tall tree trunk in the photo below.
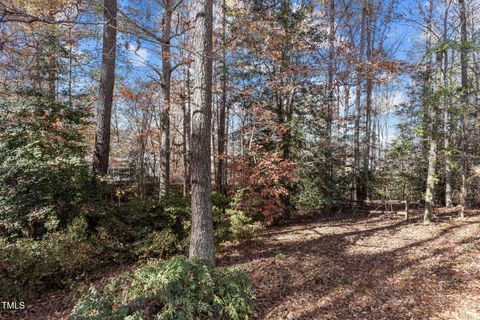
(429, 193)
(464, 107)
(52, 54)
(446, 124)
(448, 161)
(330, 88)
(359, 188)
(427, 86)
(368, 102)
(430, 107)
(220, 178)
(432, 155)
(187, 137)
(201, 240)
(346, 122)
(105, 92)
(165, 114)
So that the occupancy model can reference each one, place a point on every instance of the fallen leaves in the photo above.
(374, 268)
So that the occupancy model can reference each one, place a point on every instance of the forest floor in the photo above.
(350, 268)
(365, 268)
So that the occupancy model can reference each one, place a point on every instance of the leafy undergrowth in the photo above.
(172, 289)
(349, 268)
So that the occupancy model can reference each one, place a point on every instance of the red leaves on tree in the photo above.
(261, 172)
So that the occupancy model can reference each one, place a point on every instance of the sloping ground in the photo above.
(372, 268)
(350, 268)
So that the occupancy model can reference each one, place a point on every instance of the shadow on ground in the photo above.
(365, 268)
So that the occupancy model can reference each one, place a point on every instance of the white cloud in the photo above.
(398, 98)
(138, 57)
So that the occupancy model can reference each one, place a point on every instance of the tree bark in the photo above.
(359, 187)
(220, 178)
(446, 124)
(187, 137)
(464, 107)
(368, 102)
(201, 240)
(330, 74)
(105, 92)
(428, 126)
(432, 155)
(166, 88)
(429, 196)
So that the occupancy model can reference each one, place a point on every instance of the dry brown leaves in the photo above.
(375, 268)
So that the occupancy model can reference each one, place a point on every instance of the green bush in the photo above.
(45, 182)
(163, 228)
(157, 228)
(146, 229)
(174, 289)
(242, 228)
(29, 266)
(239, 226)
(156, 244)
(220, 204)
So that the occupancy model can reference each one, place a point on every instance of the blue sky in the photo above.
(131, 66)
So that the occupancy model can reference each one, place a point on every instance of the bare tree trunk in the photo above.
(446, 124)
(51, 54)
(201, 240)
(464, 107)
(448, 161)
(432, 155)
(345, 126)
(105, 92)
(165, 114)
(220, 174)
(187, 137)
(359, 192)
(429, 196)
(427, 87)
(368, 103)
(427, 103)
(406, 210)
(330, 88)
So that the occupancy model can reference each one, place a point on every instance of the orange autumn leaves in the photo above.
(261, 173)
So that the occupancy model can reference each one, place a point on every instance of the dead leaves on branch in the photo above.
(262, 173)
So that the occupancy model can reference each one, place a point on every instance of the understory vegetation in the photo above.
(174, 289)
(201, 159)
(60, 228)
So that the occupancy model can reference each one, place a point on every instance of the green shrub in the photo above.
(308, 201)
(242, 228)
(45, 182)
(220, 201)
(28, 267)
(163, 228)
(93, 306)
(220, 204)
(156, 229)
(279, 255)
(174, 289)
(157, 244)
